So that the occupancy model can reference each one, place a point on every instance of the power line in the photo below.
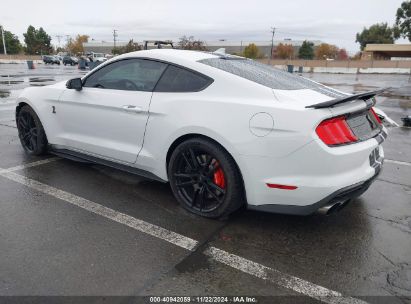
(301, 34)
(58, 38)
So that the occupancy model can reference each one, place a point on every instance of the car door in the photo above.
(107, 118)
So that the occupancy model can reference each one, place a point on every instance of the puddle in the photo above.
(38, 84)
(40, 79)
(9, 82)
(4, 94)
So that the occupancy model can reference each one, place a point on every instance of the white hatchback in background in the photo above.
(225, 131)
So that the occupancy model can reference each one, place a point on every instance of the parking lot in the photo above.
(72, 229)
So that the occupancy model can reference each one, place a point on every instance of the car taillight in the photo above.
(335, 131)
(375, 115)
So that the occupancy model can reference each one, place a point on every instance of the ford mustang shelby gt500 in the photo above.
(225, 131)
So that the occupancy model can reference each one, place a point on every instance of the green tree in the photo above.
(30, 40)
(306, 50)
(377, 33)
(403, 21)
(251, 51)
(37, 41)
(13, 45)
(131, 46)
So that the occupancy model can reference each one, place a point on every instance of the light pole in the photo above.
(4, 41)
(272, 42)
(115, 37)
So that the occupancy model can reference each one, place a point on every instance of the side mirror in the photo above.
(75, 84)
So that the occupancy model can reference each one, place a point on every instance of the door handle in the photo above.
(133, 109)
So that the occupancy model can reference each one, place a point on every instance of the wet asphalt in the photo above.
(49, 247)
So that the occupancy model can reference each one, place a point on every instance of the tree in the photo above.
(13, 45)
(342, 54)
(30, 39)
(326, 51)
(76, 46)
(377, 33)
(306, 50)
(403, 21)
(60, 50)
(37, 41)
(131, 46)
(190, 43)
(284, 51)
(357, 56)
(251, 51)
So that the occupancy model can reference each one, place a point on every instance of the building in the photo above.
(237, 47)
(101, 46)
(386, 51)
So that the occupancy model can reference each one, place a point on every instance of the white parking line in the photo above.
(247, 266)
(32, 164)
(109, 213)
(287, 281)
(397, 162)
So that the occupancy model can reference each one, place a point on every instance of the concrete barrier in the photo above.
(345, 67)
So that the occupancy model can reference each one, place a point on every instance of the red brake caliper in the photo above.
(219, 178)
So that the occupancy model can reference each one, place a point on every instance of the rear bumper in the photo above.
(340, 195)
(320, 173)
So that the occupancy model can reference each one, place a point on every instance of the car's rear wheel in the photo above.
(31, 131)
(205, 179)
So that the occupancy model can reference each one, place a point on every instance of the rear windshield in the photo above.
(268, 76)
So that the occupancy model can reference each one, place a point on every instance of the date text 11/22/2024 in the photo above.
(203, 299)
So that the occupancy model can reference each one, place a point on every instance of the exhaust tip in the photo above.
(331, 208)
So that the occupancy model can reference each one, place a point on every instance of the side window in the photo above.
(177, 79)
(128, 74)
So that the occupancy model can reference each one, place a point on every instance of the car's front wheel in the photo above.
(31, 131)
(205, 178)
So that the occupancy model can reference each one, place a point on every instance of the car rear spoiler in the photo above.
(362, 96)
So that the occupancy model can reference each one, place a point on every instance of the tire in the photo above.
(31, 132)
(205, 179)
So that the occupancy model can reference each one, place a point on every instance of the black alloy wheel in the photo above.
(205, 179)
(31, 132)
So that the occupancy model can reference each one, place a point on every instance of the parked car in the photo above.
(51, 60)
(97, 57)
(70, 60)
(226, 132)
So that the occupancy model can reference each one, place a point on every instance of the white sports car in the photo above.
(225, 131)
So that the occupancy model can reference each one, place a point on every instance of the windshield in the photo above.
(268, 76)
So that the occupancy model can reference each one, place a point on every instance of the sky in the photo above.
(335, 21)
